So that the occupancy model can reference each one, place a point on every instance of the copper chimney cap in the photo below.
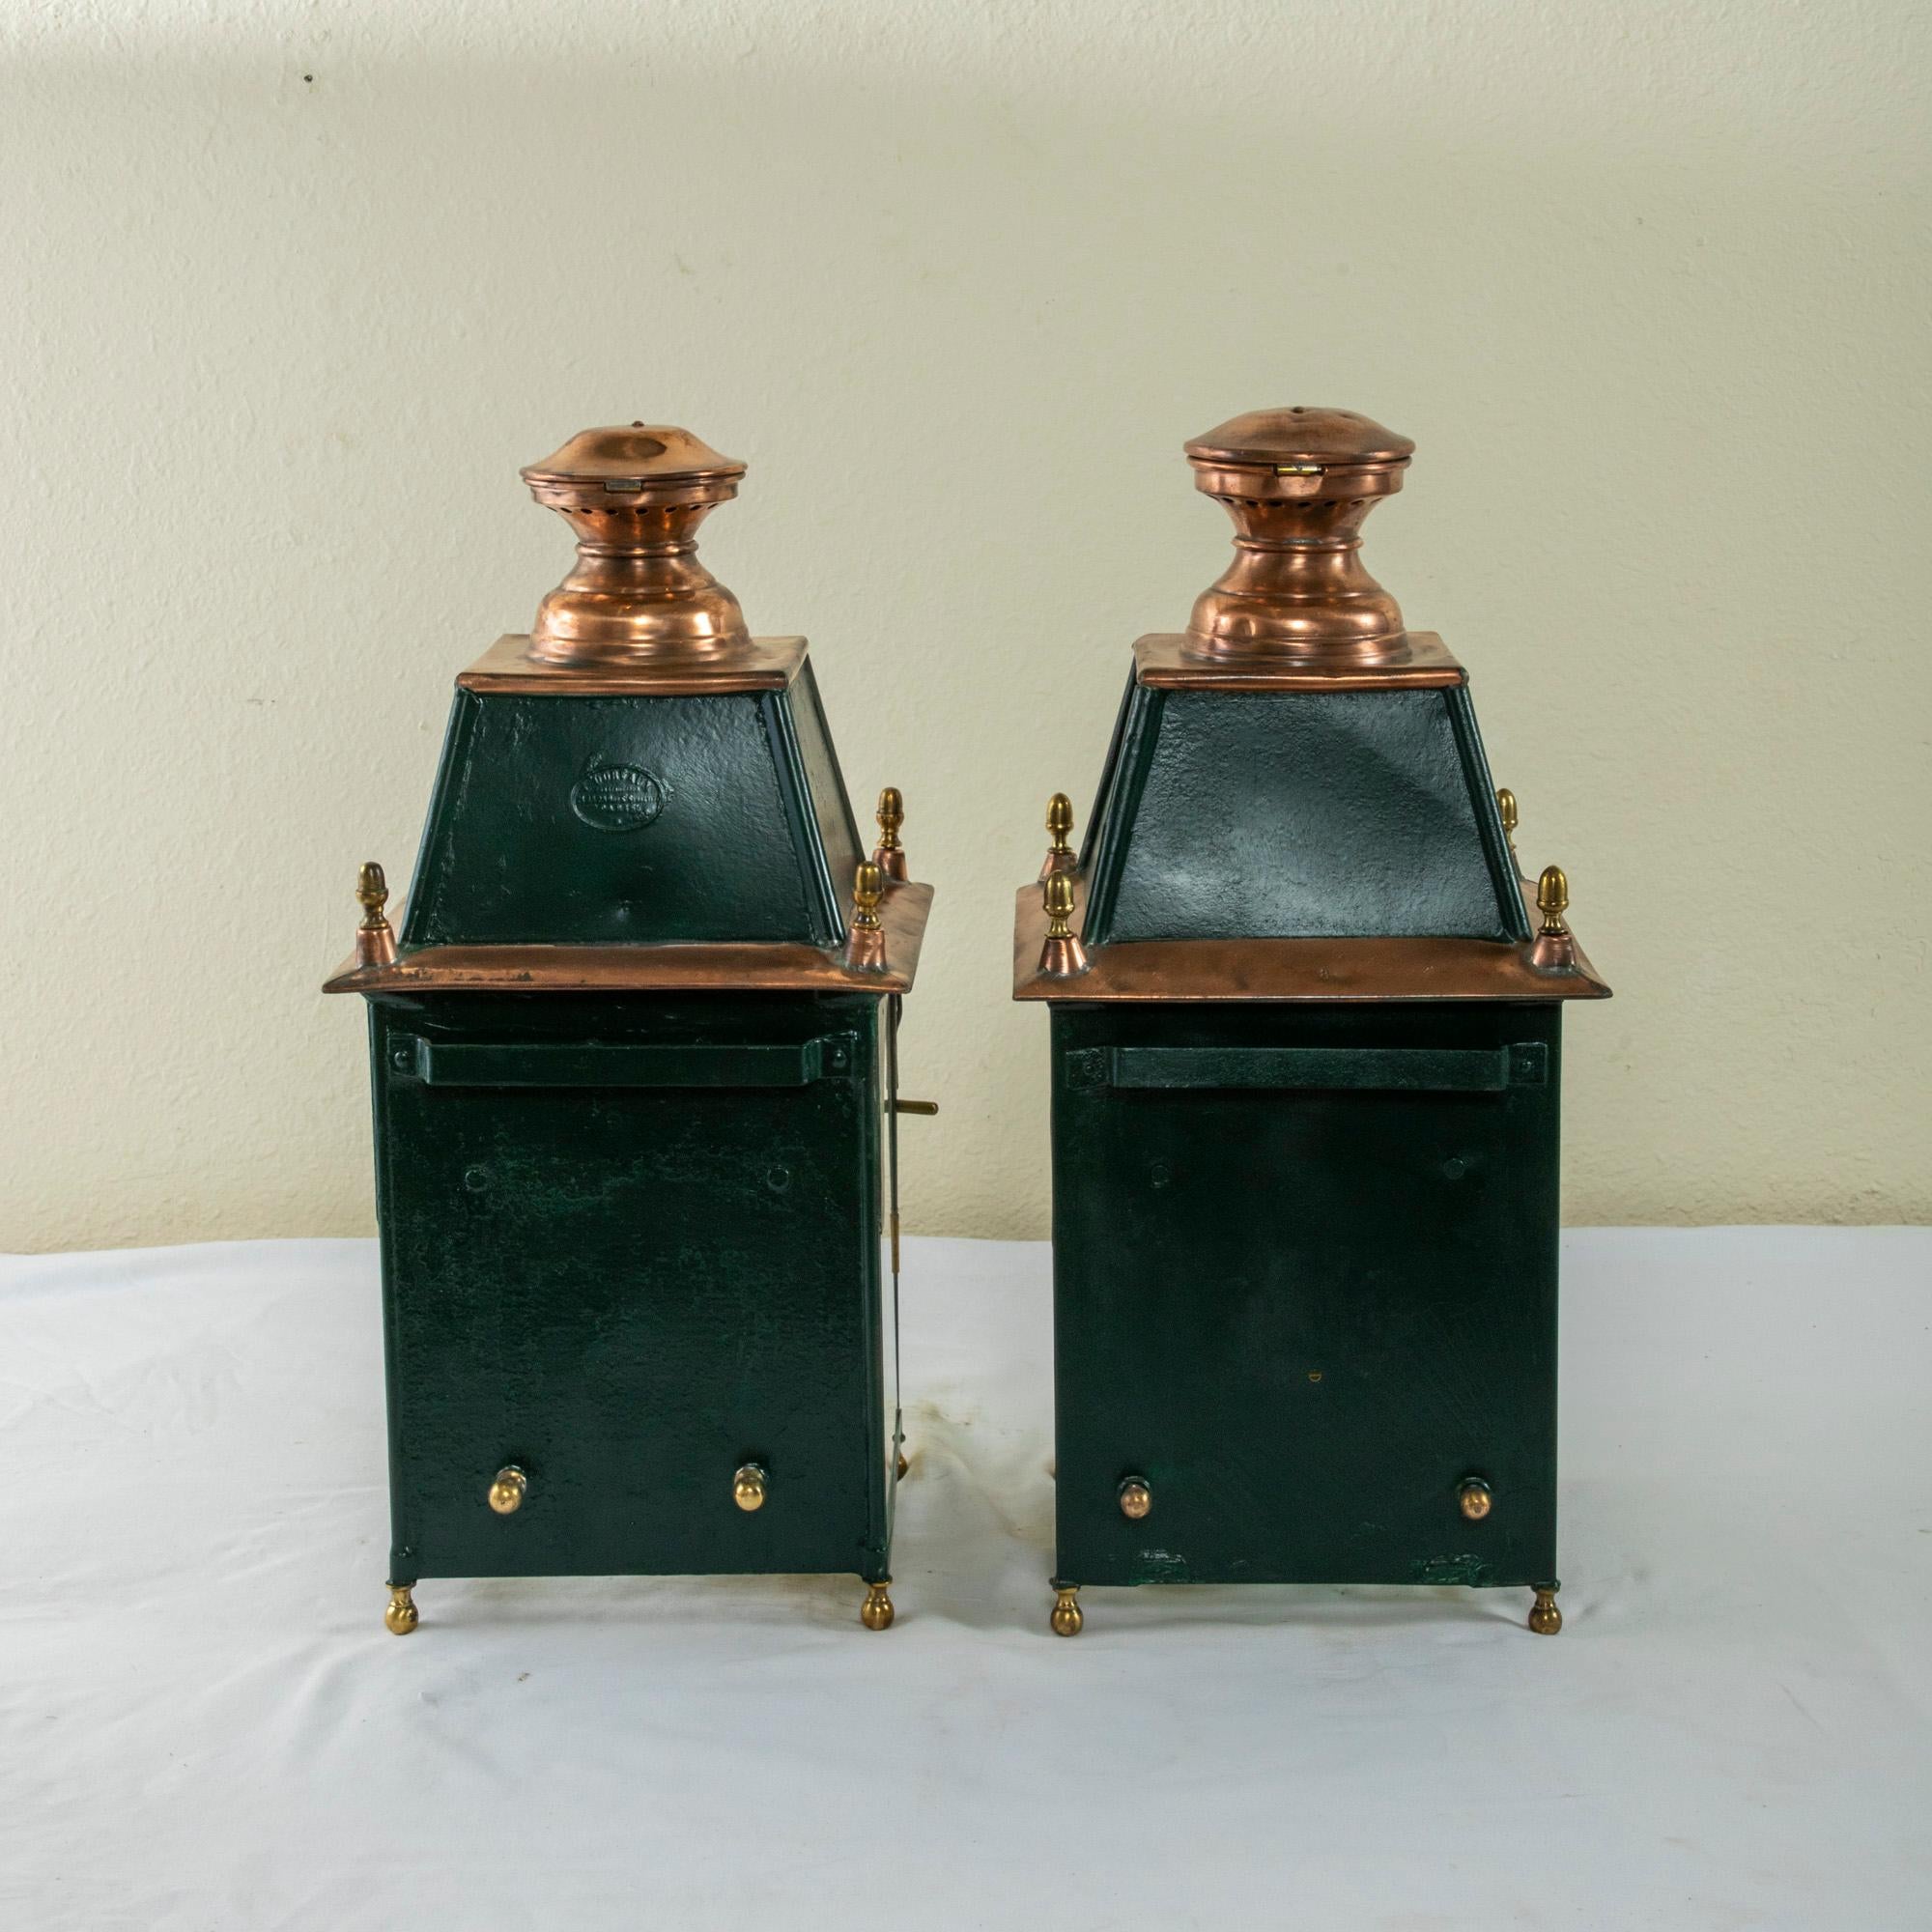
(1269, 438)
(634, 496)
(1298, 483)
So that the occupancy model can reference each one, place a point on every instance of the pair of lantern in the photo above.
(635, 1060)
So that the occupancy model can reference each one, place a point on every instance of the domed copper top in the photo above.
(1301, 436)
(1304, 436)
(649, 455)
(635, 496)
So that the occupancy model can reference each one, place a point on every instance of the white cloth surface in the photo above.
(204, 1724)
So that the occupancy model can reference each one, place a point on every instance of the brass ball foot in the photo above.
(401, 1615)
(1545, 1618)
(1066, 1617)
(904, 1465)
(876, 1612)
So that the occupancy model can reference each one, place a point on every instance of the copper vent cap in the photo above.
(1269, 438)
(634, 496)
(1298, 482)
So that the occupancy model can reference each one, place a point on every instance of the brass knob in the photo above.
(1475, 1498)
(1136, 1498)
(508, 1489)
(747, 1488)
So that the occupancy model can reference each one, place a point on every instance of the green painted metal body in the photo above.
(1304, 1286)
(629, 1244)
(634, 1240)
(1304, 1252)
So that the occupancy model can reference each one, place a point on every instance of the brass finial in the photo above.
(1506, 809)
(1057, 896)
(1553, 900)
(890, 856)
(375, 941)
(1554, 951)
(1063, 953)
(866, 943)
(1058, 823)
(372, 892)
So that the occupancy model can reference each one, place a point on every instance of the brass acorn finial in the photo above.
(1058, 823)
(1553, 900)
(375, 940)
(890, 856)
(866, 942)
(1061, 954)
(1506, 808)
(1057, 896)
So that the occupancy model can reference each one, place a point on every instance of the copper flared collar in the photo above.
(751, 966)
(763, 664)
(1187, 970)
(1297, 483)
(1167, 661)
(634, 496)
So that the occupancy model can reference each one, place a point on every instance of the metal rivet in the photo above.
(477, 1179)
(1160, 1173)
(1455, 1167)
(778, 1178)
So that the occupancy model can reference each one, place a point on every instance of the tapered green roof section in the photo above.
(1293, 814)
(636, 820)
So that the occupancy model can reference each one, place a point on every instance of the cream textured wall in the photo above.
(290, 291)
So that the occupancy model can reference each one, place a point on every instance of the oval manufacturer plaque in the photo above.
(617, 797)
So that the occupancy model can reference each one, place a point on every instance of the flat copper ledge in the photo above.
(749, 966)
(756, 664)
(1163, 661)
(1288, 969)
